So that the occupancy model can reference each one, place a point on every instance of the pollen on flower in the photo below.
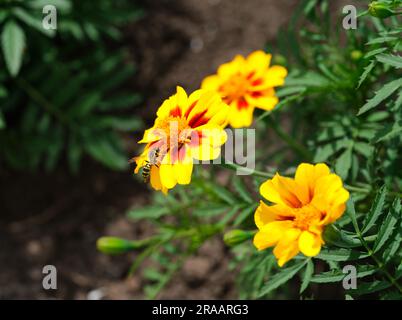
(306, 217)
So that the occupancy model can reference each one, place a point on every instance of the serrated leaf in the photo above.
(343, 164)
(307, 276)
(223, 194)
(381, 40)
(148, 212)
(370, 287)
(389, 131)
(244, 214)
(376, 209)
(366, 72)
(106, 153)
(350, 209)
(13, 43)
(337, 275)
(374, 52)
(363, 148)
(388, 226)
(391, 60)
(242, 190)
(280, 278)
(340, 255)
(382, 94)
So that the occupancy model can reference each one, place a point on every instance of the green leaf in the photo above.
(350, 209)
(340, 255)
(280, 278)
(62, 5)
(337, 275)
(223, 194)
(370, 287)
(366, 72)
(307, 276)
(13, 43)
(389, 131)
(382, 94)
(85, 104)
(332, 235)
(114, 122)
(244, 214)
(242, 190)
(32, 21)
(2, 121)
(148, 212)
(375, 210)
(374, 52)
(343, 164)
(391, 60)
(106, 153)
(381, 40)
(388, 226)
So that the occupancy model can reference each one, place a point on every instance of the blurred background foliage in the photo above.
(341, 104)
(63, 92)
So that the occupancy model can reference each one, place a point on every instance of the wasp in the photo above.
(153, 161)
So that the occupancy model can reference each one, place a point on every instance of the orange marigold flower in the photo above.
(301, 208)
(247, 83)
(186, 128)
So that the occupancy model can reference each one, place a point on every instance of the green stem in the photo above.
(377, 261)
(245, 170)
(292, 143)
(41, 101)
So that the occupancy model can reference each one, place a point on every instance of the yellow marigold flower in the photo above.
(301, 208)
(247, 83)
(186, 128)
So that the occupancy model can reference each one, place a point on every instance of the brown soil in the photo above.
(57, 218)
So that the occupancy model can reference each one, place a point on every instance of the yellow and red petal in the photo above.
(258, 61)
(228, 69)
(281, 190)
(240, 115)
(266, 214)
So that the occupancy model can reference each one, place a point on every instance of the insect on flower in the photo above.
(186, 128)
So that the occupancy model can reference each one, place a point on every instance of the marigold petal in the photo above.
(240, 118)
(281, 190)
(306, 177)
(275, 76)
(155, 180)
(211, 83)
(167, 176)
(310, 243)
(266, 214)
(228, 69)
(265, 103)
(183, 172)
(258, 61)
(288, 246)
(270, 234)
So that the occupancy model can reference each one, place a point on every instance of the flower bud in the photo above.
(381, 10)
(279, 59)
(235, 237)
(112, 245)
(356, 55)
